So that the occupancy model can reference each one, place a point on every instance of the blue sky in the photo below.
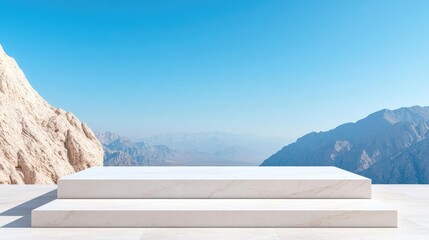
(279, 68)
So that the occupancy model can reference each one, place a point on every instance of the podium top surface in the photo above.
(214, 173)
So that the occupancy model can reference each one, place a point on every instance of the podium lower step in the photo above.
(214, 213)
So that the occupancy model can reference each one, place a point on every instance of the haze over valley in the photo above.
(188, 149)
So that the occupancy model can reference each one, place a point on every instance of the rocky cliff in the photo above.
(38, 142)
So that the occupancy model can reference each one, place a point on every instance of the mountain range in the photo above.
(388, 146)
(214, 151)
(248, 148)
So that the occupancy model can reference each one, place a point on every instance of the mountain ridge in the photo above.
(371, 141)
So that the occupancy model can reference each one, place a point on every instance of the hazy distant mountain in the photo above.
(247, 148)
(387, 146)
(120, 151)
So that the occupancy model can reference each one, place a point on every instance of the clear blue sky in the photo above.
(280, 68)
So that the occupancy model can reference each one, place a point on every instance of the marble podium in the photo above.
(214, 182)
(214, 197)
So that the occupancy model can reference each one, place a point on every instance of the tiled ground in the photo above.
(17, 201)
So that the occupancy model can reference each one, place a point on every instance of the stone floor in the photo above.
(17, 201)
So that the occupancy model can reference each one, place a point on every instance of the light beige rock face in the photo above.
(38, 142)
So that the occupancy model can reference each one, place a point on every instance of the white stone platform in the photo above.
(214, 197)
(214, 213)
(411, 201)
(214, 182)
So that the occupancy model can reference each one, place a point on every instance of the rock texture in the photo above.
(387, 146)
(39, 143)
